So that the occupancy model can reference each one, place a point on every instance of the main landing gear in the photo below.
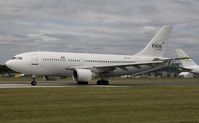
(34, 82)
(82, 83)
(102, 82)
(99, 82)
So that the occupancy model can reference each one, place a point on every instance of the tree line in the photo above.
(4, 69)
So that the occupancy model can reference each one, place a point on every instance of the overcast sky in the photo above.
(96, 26)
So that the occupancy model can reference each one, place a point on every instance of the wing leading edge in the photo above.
(114, 66)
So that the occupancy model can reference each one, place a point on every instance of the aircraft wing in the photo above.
(114, 66)
(185, 69)
(129, 64)
(124, 65)
(181, 58)
(174, 59)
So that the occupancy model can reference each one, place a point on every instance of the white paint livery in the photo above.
(188, 64)
(83, 66)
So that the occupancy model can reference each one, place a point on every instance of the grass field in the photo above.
(100, 105)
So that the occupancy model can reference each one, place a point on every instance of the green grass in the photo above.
(100, 105)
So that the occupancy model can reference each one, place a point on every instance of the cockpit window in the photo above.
(17, 57)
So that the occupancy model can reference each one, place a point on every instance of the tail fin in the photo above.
(185, 62)
(157, 45)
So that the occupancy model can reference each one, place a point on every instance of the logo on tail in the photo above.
(158, 45)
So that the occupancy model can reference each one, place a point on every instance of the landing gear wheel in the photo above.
(102, 82)
(33, 83)
(98, 82)
(106, 82)
(82, 83)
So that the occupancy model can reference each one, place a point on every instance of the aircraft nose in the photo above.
(15, 65)
(12, 65)
(8, 63)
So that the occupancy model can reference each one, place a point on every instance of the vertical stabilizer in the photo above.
(185, 62)
(157, 45)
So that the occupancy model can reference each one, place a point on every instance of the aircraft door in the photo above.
(36, 64)
(35, 60)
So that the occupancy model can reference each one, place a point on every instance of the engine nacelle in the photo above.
(82, 75)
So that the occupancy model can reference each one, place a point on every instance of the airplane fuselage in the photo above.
(194, 69)
(59, 63)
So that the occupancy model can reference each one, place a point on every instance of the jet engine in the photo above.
(82, 75)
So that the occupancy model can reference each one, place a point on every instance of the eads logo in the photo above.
(158, 45)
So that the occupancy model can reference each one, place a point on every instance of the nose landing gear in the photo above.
(34, 82)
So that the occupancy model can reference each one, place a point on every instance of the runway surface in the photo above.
(56, 86)
(113, 84)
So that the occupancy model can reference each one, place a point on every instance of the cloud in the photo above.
(149, 29)
(105, 26)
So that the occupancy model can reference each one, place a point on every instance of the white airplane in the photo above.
(188, 64)
(185, 74)
(83, 67)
